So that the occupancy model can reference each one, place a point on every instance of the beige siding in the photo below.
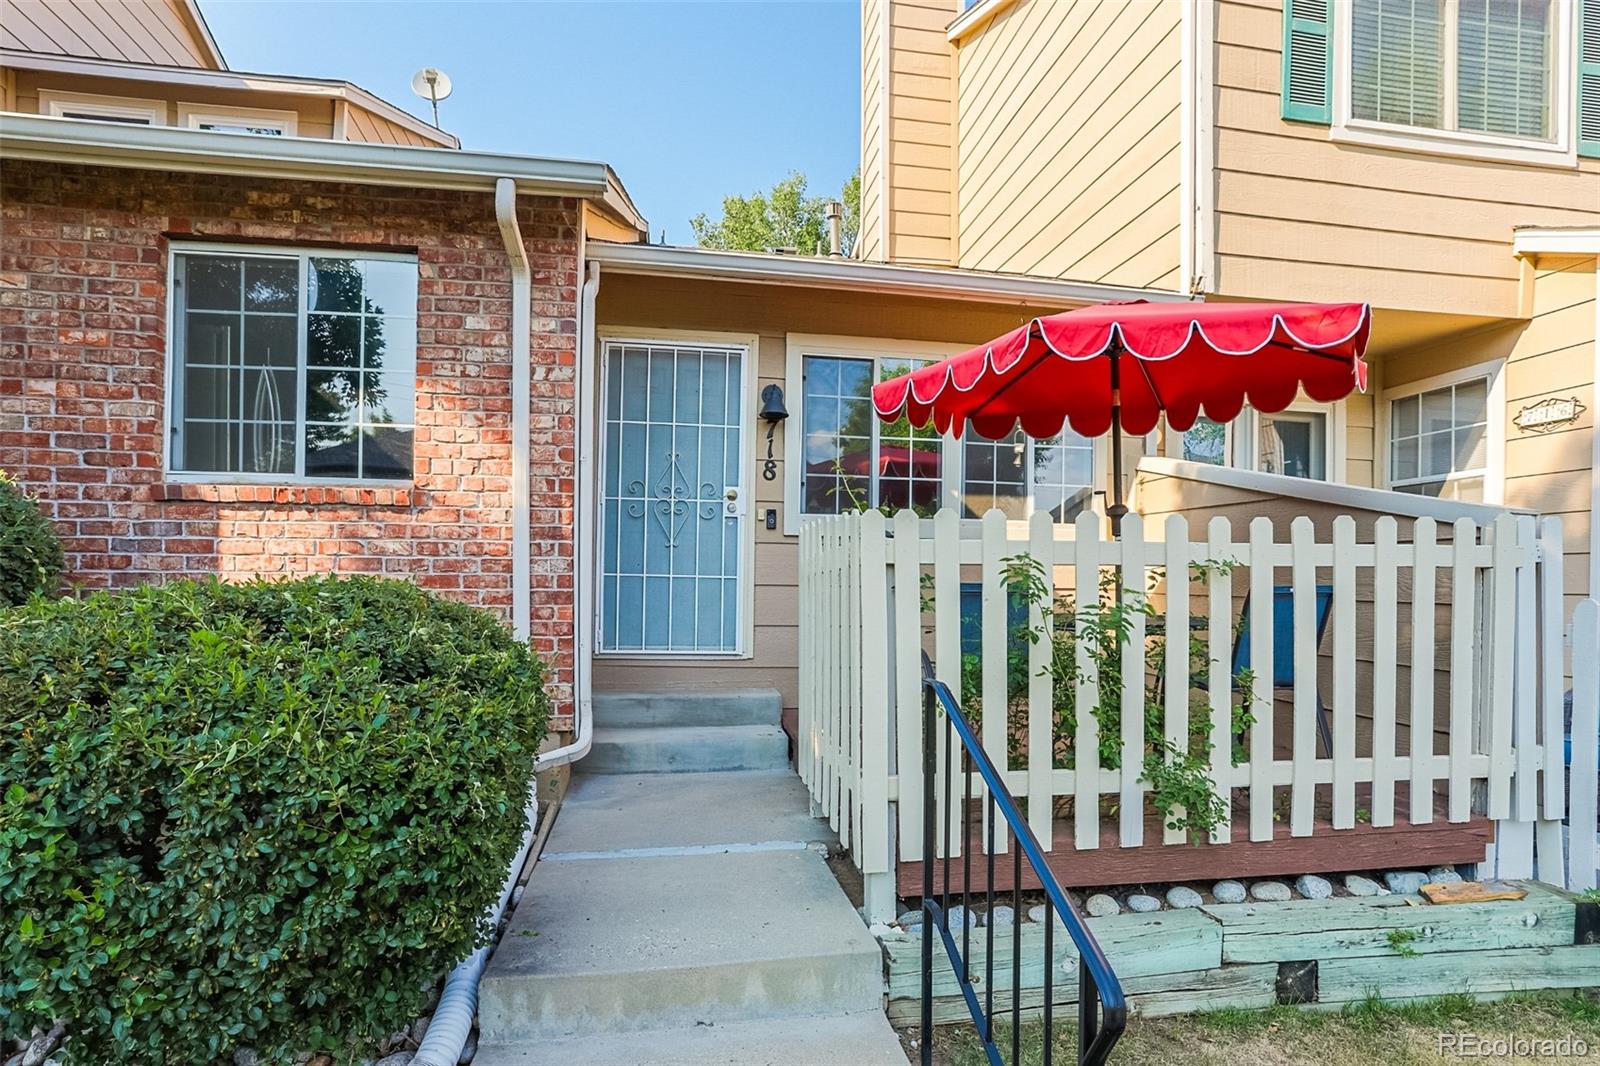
(314, 114)
(873, 199)
(137, 31)
(363, 125)
(907, 131)
(1300, 216)
(1069, 131)
(770, 313)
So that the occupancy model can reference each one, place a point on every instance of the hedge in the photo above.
(261, 815)
(30, 551)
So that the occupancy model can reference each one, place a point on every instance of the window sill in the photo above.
(1445, 143)
(399, 495)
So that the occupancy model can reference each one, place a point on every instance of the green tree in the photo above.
(784, 217)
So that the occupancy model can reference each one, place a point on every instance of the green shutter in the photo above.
(1589, 78)
(1308, 60)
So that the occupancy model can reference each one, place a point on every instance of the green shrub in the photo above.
(262, 815)
(30, 551)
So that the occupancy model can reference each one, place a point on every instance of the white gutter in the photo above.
(583, 536)
(73, 140)
(825, 272)
(505, 213)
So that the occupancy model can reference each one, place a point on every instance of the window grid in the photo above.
(292, 440)
(1439, 436)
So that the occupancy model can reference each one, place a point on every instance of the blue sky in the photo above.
(689, 101)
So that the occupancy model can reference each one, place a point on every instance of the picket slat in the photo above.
(1386, 558)
(1463, 620)
(1583, 855)
(1261, 669)
(1424, 589)
(994, 654)
(1502, 605)
(1086, 745)
(1041, 713)
(947, 622)
(1344, 672)
(1303, 793)
(1552, 637)
(873, 650)
(1525, 694)
(1131, 804)
(908, 673)
(1176, 691)
(1219, 634)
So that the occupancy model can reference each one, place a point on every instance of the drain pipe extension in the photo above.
(458, 1003)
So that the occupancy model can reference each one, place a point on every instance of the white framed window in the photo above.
(841, 457)
(1305, 440)
(1444, 436)
(256, 121)
(127, 110)
(1485, 78)
(291, 365)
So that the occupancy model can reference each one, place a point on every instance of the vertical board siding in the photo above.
(868, 615)
(1063, 169)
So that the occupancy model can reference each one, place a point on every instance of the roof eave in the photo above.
(295, 158)
(828, 272)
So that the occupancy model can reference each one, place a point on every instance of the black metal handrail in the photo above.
(1102, 1008)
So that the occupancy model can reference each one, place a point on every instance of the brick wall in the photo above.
(83, 295)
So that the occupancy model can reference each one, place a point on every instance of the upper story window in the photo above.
(1486, 66)
(292, 365)
(851, 459)
(127, 110)
(256, 121)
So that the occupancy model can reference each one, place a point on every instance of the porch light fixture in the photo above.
(772, 412)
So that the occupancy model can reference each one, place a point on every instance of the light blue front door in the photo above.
(673, 514)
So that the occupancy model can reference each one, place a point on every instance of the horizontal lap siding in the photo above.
(921, 133)
(1069, 131)
(872, 174)
(1302, 217)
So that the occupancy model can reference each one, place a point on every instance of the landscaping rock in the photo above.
(516, 894)
(1228, 892)
(40, 1046)
(959, 914)
(1002, 917)
(1443, 875)
(1405, 882)
(1036, 913)
(1183, 897)
(245, 1056)
(1357, 885)
(399, 1058)
(1139, 903)
(1101, 905)
(879, 930)
(1270, 892)
(1313, 887)
(910, 918)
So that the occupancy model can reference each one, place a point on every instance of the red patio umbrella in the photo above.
(1184, 359)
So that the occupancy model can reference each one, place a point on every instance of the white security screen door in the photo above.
(674, 509)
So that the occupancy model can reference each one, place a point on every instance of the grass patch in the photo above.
(1362, 1033)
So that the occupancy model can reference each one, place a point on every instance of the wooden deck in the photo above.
(1326, 850)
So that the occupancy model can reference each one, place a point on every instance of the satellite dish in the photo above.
(433, 85)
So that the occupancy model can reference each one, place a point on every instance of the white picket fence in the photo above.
(877, 592)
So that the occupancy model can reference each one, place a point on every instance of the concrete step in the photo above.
(608, 813)
(619, 945)
(830, 1040)
(686, 749)
(663, 708)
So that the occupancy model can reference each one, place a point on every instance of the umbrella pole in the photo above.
(1117, 508)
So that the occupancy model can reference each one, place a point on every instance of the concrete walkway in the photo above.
(680, 918)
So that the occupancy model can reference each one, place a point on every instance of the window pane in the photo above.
(995, 475)
(1062, 472)
(335, 285)
(333, 340)
(332, 395)
(1437, 451)
(332, 451)
(1436, 411)
(1206, 442)
(391, 287)
(838, 434)
(1403, 455)
(1472, 402)
(1504, 61)
(1397, 61)
(211, 282)
(1294, 444)
(235, 397)
(388, 398)
(386, 452)
(1404, 414)
(910, 462)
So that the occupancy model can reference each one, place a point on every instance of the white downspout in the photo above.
(458, 1002)
(583, 535)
